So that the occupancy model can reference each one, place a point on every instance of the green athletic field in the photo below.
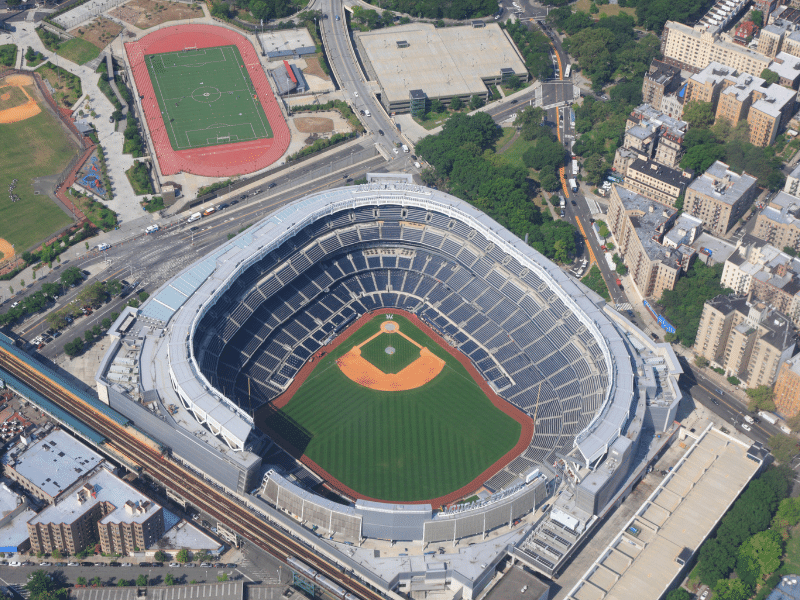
(206, 97)
(398, 446)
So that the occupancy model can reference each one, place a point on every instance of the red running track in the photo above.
(225, 160)
(526, 435)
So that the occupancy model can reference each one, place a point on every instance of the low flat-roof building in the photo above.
(441, 62)
(283, 44)
(50, 465)
(99, 506)
(639, 224)
(788, 69)
(14, 516)
(720, 197)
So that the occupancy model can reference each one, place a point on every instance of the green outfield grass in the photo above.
(404, 352)
(398, 446)
(32, 148)
(206, 97)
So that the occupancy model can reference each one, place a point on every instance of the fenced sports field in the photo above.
(429, 438)
(206, 97)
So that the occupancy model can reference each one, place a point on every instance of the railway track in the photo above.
(182, 481)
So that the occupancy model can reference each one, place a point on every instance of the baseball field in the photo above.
(393, 416)
(206, 97)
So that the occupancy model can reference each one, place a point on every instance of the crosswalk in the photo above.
(259, 573)
(623, 306)
(20, 590)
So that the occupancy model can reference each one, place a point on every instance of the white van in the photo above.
(103, 246)
(152, 229)
(195, 217)
(367, 113)
(405, 148)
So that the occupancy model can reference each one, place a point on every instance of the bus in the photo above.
(567, 71)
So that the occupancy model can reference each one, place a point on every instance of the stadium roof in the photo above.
(184, 300)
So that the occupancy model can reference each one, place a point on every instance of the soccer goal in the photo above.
(188, 48)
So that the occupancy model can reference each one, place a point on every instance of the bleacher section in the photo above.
(520, 335)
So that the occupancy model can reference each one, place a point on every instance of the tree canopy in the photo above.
(462, 156)
(441, 9)
(683, 305)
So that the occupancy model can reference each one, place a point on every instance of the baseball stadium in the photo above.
(386, 362)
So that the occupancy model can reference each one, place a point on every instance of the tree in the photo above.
(456, 103)
(733, 380)
(550, 181)
(56, 553)
(39, 583)
(783, 447)
(757, 17)
(223, 577)
(106, 323)
(141, 580)
(788, 514)
(679, 594)
(760, 398)
(762, 552)
(182, 556)
(513, 82)
(701, 361)
(794, 423)
(593, 9)
(437, 106)
(475, 102)
(731, 589)
(169, 579)
(770, 76)
(96, 582)
(81, 581)
(88, 335)
(160, 556)
(71, 276)
(143, 296)
(698, 114)
(594, 169)
(122, 583)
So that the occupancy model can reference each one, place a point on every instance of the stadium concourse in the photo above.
(231, 333)
(219, 160)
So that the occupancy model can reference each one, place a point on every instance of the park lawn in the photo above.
(515, 152)
(611, 10)
(32, 148)
(66, 85)
(78, 51)
(433, 120)
(508, 133)
(398, 446)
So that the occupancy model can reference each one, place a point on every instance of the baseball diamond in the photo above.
(416, 434)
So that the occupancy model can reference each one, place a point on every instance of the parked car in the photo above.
(14, 563)
(113, 564)
(206, 565)
(73, 564)
(746, 427)
(145, 564)
(127, 564)
(87, 564)
(174, 564)
(271, 185)
(231, 565)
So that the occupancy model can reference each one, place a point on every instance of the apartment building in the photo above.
(694, 48)
(656, 181)
(786, 394)
(778, 223)
(749, 340)
(767, 7)
(767, 274)
(660, 80)
(719, 197)
(639, 225)
(672, 104)
(791, 44)
(787, 67)
(770, 42)
(99, 507)
(48, 466)
(667, 143)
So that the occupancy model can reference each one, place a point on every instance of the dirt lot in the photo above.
(148, 13)
(99, 32)
(314, 124)
(314, 69)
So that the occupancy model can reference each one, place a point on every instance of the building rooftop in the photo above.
(664, 174)
(186, 535)
(714, 73)
(783, 208)
(743, 86)
(13, 528)
(787, 589)
(649, 223)
(722, 184)
(698, 31)
(778, 27)
(777, 97)
(684, 230)
(663, 72)
(285, 39)
(640, 562)
(786, 65)
(442, 62)
(130, 506)
(653, 116)
(54, 462)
